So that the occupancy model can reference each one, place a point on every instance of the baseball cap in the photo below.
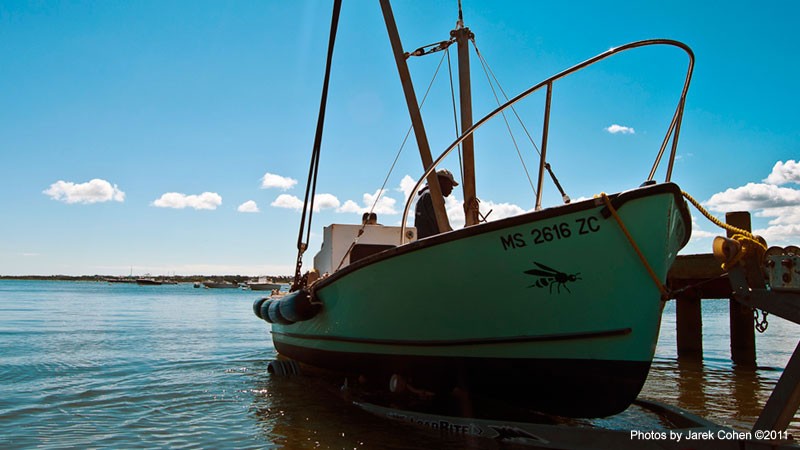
(447, 174)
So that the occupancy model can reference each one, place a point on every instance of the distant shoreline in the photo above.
(178, 278)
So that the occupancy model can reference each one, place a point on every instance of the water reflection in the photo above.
(732, 396)
(308, 412)
(713, 386)
(301, 412)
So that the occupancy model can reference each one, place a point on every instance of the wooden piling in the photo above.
(689, 323)
(693, 278)
(743, 339)
(696, 277)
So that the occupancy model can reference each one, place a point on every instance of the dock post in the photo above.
(689, 324)
(743, 339)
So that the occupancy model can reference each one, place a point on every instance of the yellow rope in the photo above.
(749, 241)
(716, 221)
(650, 270)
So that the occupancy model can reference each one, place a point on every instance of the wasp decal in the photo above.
(547, 276)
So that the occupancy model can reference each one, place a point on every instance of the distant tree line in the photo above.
(178, 278)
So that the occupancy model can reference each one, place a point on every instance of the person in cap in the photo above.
(424, 217)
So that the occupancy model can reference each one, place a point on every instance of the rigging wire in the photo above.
(408, 133)
(513, 109)
(488, 70)
(505, 119)
(455, 112)
(396, 158)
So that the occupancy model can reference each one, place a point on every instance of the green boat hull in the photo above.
(552, 309)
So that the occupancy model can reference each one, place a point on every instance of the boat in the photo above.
(265, 284)
(220, 285)
(570, 325)
(148, 282)
(120, 280)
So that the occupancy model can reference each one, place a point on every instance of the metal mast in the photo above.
(463, 35)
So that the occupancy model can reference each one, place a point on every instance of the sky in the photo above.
(175, 137)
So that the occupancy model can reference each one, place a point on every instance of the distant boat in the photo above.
(264, 284)
(197, 284)
(148, 282)
(220, 285)
(120, 280)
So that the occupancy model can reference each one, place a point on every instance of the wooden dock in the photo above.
(694, 278)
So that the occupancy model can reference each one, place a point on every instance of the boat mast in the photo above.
(416, 117)
(463, 36)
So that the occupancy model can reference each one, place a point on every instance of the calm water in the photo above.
(91, 365)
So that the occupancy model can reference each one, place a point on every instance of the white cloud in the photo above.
(176, 200)
(325, 201)
(384, 205)
(248, 207)
(753, 196)
(94, 191)
(500, 210)
(406, 184)
(455, 211)
(697, 233)
(619, 129)
(287, 201)
(780, 204)
(350, 206)
(321, 201)
(783, 173)
(780, 234)
(787, 215)
(270, 180)
(455, 208)
(701, 234)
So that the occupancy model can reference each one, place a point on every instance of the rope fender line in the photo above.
(718, 222)
(748, 241)
(645, 263)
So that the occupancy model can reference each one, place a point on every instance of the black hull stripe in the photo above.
(459, 342)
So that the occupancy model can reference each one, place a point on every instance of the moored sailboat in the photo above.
(571, 324)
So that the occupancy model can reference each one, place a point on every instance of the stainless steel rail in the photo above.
(672, 132)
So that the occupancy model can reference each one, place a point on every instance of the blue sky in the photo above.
(174, 137)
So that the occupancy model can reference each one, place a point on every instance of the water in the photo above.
(715, 388)
(98, 365)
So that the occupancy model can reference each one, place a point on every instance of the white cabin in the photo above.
(337, 239)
